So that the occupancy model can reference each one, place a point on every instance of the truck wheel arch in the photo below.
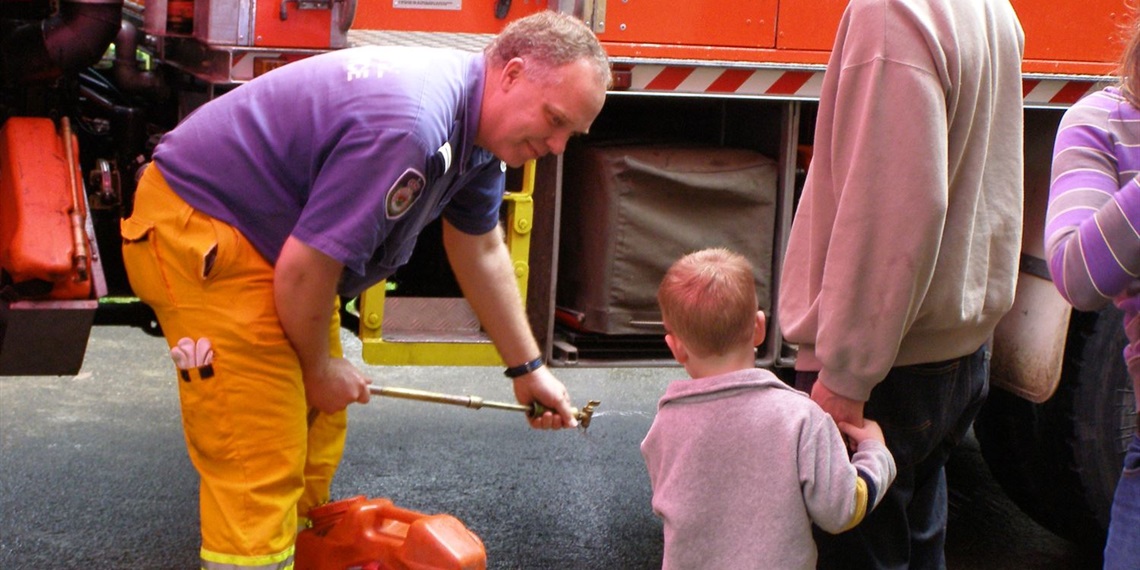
(1059, 460)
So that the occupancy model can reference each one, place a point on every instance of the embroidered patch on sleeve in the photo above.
(404, 193)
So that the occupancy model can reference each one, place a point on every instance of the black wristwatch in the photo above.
(524, 368)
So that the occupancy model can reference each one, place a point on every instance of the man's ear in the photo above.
(511, 73)
(761, 330)
(677, 348)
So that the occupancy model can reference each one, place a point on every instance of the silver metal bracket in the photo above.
(592, 12)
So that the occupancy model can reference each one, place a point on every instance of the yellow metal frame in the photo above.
(375, 350)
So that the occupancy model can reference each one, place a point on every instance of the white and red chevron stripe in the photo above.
(1038, 91)
(774, 83)
(1058, 92)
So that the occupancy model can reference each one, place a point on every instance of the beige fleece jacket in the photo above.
(905, 243)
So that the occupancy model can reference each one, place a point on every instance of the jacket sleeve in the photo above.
(1091, 239)
(891, 187)
(839, 492)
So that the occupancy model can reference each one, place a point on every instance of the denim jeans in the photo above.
(1122, 551)
(925, 410)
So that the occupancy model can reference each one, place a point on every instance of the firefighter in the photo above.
(315, 180)
(903, 254)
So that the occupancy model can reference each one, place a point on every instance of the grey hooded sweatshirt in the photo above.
(741, 466)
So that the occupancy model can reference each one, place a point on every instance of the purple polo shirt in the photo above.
(352, 152)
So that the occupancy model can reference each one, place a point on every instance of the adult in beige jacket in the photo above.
(904, 249)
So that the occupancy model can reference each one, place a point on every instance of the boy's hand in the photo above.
(857, 435)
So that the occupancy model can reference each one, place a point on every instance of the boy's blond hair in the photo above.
(708, 300)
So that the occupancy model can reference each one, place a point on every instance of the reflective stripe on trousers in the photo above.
(213, 561)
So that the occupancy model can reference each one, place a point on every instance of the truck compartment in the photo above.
(656, 178)
(637, 208)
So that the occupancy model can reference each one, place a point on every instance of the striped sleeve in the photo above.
(1091, 238)
(876, 469)
(840, 489)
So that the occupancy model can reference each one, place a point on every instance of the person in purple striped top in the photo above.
(1092, 241)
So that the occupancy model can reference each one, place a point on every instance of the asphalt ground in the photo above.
(94, 473)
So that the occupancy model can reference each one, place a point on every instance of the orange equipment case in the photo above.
(47, 317)
(37, 196)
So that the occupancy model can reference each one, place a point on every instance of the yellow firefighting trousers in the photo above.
(262, 461)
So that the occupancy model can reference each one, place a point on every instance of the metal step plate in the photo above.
(431, 319)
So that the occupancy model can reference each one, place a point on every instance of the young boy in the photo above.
(741, 464)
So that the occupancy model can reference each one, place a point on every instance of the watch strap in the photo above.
(524, 368)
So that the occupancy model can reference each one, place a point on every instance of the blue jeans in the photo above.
(1122, 551)
(925, 410)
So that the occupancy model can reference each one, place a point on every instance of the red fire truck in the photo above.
(703, 140)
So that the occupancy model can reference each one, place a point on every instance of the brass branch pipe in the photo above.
(475, 402)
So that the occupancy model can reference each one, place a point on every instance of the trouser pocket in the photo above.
(172, 252)
(141, 259)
